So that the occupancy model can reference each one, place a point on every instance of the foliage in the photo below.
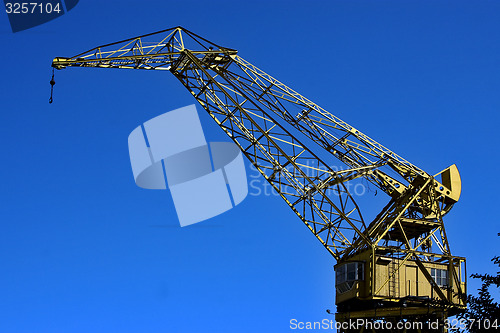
(483, 308)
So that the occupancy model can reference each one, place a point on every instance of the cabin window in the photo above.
(347, 274)
(440, 276)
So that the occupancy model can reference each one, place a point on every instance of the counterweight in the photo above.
(397, 265)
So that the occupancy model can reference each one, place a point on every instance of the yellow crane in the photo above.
(396, 266)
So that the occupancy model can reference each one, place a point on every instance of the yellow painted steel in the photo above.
(399, 248)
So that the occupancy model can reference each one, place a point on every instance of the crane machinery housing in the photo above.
(395, 267)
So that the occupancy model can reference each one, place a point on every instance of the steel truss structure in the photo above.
(290, 139)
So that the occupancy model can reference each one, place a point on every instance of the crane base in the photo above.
(394, 319)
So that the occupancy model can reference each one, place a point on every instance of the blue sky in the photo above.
(85, 250)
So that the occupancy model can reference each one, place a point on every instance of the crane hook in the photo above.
(52, 82)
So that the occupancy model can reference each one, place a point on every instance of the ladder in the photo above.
(394, 278)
